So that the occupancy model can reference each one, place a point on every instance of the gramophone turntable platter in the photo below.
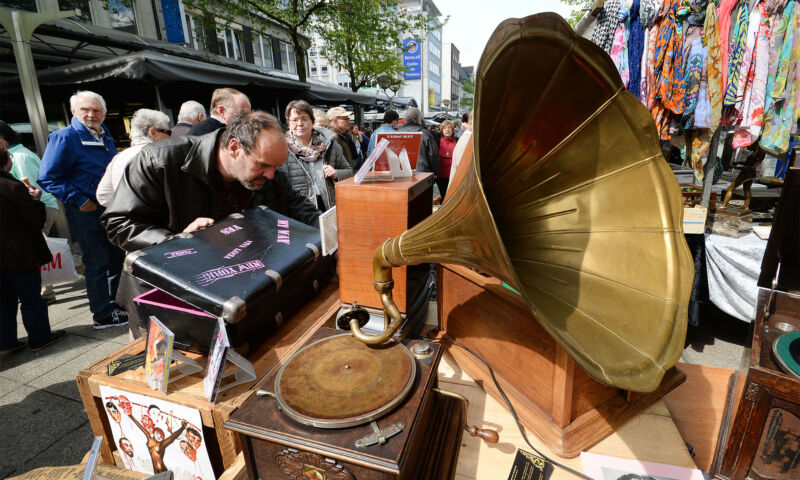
(341, 382)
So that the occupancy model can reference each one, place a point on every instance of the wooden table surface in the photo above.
(650, 436)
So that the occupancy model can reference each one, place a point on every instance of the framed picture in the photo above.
(602, 467)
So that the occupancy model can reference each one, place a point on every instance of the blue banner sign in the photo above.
(412, 58)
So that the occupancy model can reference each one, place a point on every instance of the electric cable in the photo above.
(508, 404)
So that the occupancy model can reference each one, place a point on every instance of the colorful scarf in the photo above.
(711, 37)
(635, 49)
(779, 114)
(752, 104)
(668, 86)
(736, 52)
(693, 61)
(619, 50)
(315, 149)
(724, 14)
(606, 26)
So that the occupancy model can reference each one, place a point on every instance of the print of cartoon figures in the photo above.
(125, 404)
(156, 443)
(113, 411)
(126, 447)
(191, 443)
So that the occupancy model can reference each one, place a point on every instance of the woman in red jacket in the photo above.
(446, 146)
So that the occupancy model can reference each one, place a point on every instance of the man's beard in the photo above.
(252, 186)
(91, 125)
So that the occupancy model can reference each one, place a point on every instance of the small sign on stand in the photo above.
(159, 358)
(219, 355)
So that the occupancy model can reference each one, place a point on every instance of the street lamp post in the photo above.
(394, 85)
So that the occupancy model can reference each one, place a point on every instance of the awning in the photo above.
(331, 93)
(159, 68)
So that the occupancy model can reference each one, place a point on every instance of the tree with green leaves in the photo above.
(364, 37)
(296, 16)
(468, 86)
(580, 7)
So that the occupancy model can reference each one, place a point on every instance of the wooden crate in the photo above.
(367, 214)
(223, 445)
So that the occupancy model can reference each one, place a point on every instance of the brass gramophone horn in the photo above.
(568, 200)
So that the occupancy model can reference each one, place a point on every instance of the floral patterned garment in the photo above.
(738, 42)
(724, 15)
(619, 49)
(780, 116)
(668, 86)
(693, 62)
(752, 104)
(711, 37)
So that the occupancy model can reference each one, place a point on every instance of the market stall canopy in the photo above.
(328, 92)
(159, 68)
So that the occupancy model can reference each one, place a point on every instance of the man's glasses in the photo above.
(166, 131)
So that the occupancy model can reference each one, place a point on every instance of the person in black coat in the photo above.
(428, 160)
(225, 103)
(23, 250)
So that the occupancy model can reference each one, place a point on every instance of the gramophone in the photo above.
(565, 198)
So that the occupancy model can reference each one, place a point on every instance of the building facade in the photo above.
(451, 76)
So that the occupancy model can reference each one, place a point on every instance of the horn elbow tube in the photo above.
(382, 271)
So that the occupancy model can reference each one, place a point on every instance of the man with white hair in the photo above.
(147, 126)
(73, 164)
(225, 103)
(191, 114)
(428, 160)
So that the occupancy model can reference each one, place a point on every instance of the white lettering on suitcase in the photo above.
(283, 235)
(210, 276)
(180, 253)
(231, 229)
(238, 249)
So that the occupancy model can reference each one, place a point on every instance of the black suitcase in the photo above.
(253, 269)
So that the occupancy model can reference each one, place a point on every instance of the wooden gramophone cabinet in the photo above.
(564, 406)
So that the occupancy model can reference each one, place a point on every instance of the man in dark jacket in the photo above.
(22, 251)
(225, 103)
(183, 184)
(187, 183)
(340, 125)
(428, 160)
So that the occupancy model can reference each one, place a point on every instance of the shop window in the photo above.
(82, 5)
(288, 62)
(262, 51)
(28, 5)
(195, 34)
(230, 42)
(123, 15)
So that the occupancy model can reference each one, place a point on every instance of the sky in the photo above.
(473, 21)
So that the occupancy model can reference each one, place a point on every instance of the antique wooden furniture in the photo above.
(223, 446)
(564, 406)
(764, 439)
(367, 214)
(279, 447)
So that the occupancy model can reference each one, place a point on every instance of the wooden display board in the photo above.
(553, 396)
(223, 445)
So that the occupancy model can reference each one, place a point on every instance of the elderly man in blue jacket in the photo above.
(73, 164)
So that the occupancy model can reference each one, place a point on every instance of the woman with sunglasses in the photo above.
(147, 126)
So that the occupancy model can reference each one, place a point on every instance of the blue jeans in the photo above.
(102, 261)
(23, 287)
